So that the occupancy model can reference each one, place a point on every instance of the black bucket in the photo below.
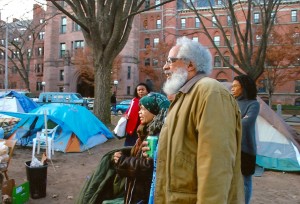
(37, 177)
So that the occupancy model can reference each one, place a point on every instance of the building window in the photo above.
(15, 54)
(158, 23)
(197, 22)
(41, 35)
(61, 75)
(262, 86)
(42, 21)
(29, 37)
(294, 16)
(39, 86)
(156, 3)
(147, 62)
(214, 21)
(78, 44)
(145, 24)
(16, 39)
(229, 21)
(227, 59)
(256, 18)
(2, 55)
(128, 90)
(146, 42)
(217, 61)
(155, 62)
(129, 72)
(147, 4)
(297, 86)
(273, 17)
(63, 24)
(2, 42)
(28, 52)
(75, 27)
(183, 21)
(40, 51)
(196, 39)
(155, 42)
(62, 50)
(217, 40)
(296, 37)
(39, 68)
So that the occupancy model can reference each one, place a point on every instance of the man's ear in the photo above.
(191, 67)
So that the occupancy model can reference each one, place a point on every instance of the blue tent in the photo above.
(79, 129)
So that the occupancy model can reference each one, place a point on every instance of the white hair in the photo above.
(196, 53)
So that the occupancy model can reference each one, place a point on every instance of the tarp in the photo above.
(79, 129)
(14, 102)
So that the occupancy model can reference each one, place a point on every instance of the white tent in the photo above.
(10, 104)
(278, 144)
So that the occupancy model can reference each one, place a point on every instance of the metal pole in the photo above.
(6, 50)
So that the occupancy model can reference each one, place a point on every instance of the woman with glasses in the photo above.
(136, 168)
(132, 116)
(245, 92)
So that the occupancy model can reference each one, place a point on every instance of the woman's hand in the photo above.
(126, 116)
(145, 148)
(117, 156)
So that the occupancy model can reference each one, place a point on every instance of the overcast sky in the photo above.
(21, 9)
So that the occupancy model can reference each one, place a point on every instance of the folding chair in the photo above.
(41, 140)
(11, 146)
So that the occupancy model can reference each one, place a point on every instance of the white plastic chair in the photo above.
(41, 138)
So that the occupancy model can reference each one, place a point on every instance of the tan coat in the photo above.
(200, 147)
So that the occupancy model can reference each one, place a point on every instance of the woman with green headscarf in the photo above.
(137, 169)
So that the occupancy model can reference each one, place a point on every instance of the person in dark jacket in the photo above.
(136, 168)
(113, 102)
(245, 92)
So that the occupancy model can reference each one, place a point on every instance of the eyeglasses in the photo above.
(171, 60)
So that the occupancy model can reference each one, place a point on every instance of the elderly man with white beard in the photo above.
(199, 148)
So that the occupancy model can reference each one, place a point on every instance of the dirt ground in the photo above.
(70, 170)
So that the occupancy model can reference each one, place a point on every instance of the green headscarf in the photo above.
(155, 102)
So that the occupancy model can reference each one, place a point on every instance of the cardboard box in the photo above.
(20, 193)
(7, 187)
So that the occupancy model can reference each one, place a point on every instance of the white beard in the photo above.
(176, 81)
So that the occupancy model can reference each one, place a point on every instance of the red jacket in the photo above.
(133, 116)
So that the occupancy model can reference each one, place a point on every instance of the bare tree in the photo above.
(23, 35)
(282, 61)
(106, 26)
(246, 38)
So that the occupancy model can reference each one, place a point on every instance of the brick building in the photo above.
(61, 37)
(166, 23)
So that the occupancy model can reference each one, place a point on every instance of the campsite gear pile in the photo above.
(3, 155)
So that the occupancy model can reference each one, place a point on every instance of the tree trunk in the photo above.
(102, 87)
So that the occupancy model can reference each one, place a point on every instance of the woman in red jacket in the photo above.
(132, 114)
